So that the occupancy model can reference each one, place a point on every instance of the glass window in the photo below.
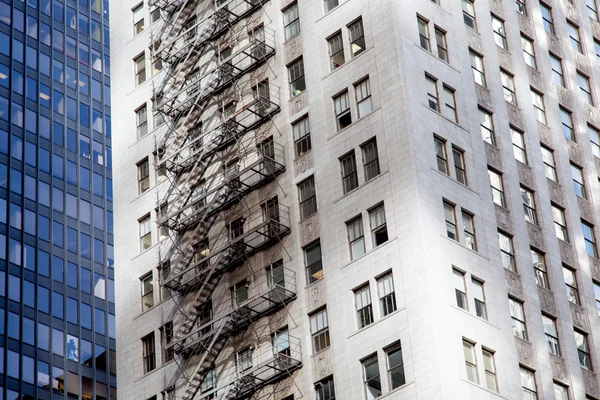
(356, 238)
(296, 77)
(470, 361)
(518, 318)
(372, 379)
(58, 342)
(507, 251)
(319, 328)
(291, 21)
(336, 51)
(528, 383)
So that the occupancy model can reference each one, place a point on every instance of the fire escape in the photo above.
(215, 151)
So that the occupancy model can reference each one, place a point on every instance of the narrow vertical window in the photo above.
(141, 120)
(520, 7)
(450, 217)
(583, 350)
(477, 68)
(364, 308)
(308, 198)
(395, 366)
(149, 353)
(325, 389)
(349, 174)
(166, 335)
(574, 37)
(387, 294)
(479, 297)
(138, 19)
(519, 147)
(448, 95)
(470, 361)
(313, 261)
(578, 181)
(378, 225)
(296, 77)
(584, 88)
(499, 33)
(590, 239)
(571, 285)
(549, 163)
(343, 116)
(487, 127)
(517, 316)
(330, 5)
(372, 379)
(561, 392)
(539, 268)
(597, 295)
(528, 383)
(364, 103)
(547, 18)
(592, 10)
(336, 51)
(145, 233)
(440, 155)
(302, 142)
(468, 9)
(356, 238)
(424, 33)
(291, 21)
(560, 223)
(557, 70)
(508, 86)
(538, 106)
(140, 69)
(469, 230)
(460, 289)
(551, 335)
(357, 38)
(442, 45)
(370, 159)
(143, 176)
(459, 165)
(490, 370)
(497, 186)
(147, 292)
(319, 329)
(594, 140)
(528, 198)
(507, 251)
(528, 52)
(432, 93)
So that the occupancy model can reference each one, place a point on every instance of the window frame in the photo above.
(441, 43)
(370, 154)
(539, 268)
(387, 293)
(507, 253)
(548, 20)
(468, 11)
(508, 86)
(586, 91)
(309, 200)
(319, 334)
(140, 69)
(484, 114)
(439, 144)
(149, 353)
(497, 192)
(143, 175)
(551, 334)
(301, 134)
(292, 24)
(519, 145)
(571, 285)
(363, 97)
(528, 51)
(518, 319)
(478, 68)
(342, 100)
(549, 163)
(451, 225)
(529, 205)
(423, 29)
(589, 238)
(499, 32)
(469, 230)
(557, 69)
(356, 33)
(335, 48)
(460, 167)
(574, 40)
(147, 291)
(356, 236)
(364, 306)
(296, 77)
(560, 227)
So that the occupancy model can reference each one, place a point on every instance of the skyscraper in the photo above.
(57, 312)
(326, 199)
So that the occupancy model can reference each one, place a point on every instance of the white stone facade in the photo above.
(427, 322)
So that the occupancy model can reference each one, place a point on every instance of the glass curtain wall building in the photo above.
(57, 322)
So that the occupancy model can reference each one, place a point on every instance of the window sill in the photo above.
(465, 247)
(346, 63)
(354, 123)
(390, 315)
(360, 186)
(454, 180)
(436, 57)
(445, 118)
(391, 392)
(366, 254)
(144, 376)
(474, 316)
(484, 389)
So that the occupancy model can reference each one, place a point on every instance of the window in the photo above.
(539, 268)
(528, 52)
(560, 223)
(521, 7)
(560, 392)
(313, 261)
(490, 370)
(479, 297)
(470, 361)
(519, 147)
(469, 230)
(487, 127)
(557, 70)
(370, 159)
(296, 77)
(166, 336)
(325, 389)
(549, 163)
(518, 318)
(319, 329)
(343, 116)
(449, 103)
(395, 366)
(538, 106)
(364, 308)
(308, 198)
(356, 237)
(507, 251)
(301, 130)
(364, 103)
(578, 182)
(459, 165)
(460, 289)
(440, 155)
(468, 9)
(371, 377)
(330, 5)
(349, 174)
(450, 217)
(432, 93)
(244, 359)
(595, 140)
(528, 384)
(477, 68)
(597, 295)
(148, 353)
(528, 199)
(551, 335)
(387, 294)
(291, 21)
(497, 186)
(147, 292)
(378, 225)
(154, 16)
(143, 171)
(584, 88)
(145, 233)
(509, 87)
(138, 19)
(571, 285)
(336, 51)
(424, 33)
(583, 349)
(547, 18)
(140, 69)
(574, 37)
(442, 45)
(357, 38)
(141, 120)
(591, 9)
(590, 239)
(499, 33)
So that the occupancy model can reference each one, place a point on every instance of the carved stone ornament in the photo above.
(303, 163)
(572, 13)
(525, 352)
(595, 27)
(505, 59)
(580, 319)
(536, 237)
(593, 116)
(513, 283)
(564, 97)
(496, 7)
(293, 49)
(590, 380)
(315, 295)
(503, 219)
(474, 40)
(559, 368)
(554, 45)
(484, 98)
(566, 252)
(494, 157)
(581, 62)
(545, 134)
(585, 209)
(299, 103)
(514, 116)
(525, 175)
(310, 229)
(536, 80)
(547, 301)
(556, 192)
(575, 153)
(322, 364)
(595, 268)
(525, 24)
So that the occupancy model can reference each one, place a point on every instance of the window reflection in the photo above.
(73, 348)
(43, 375)
(86, 353)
